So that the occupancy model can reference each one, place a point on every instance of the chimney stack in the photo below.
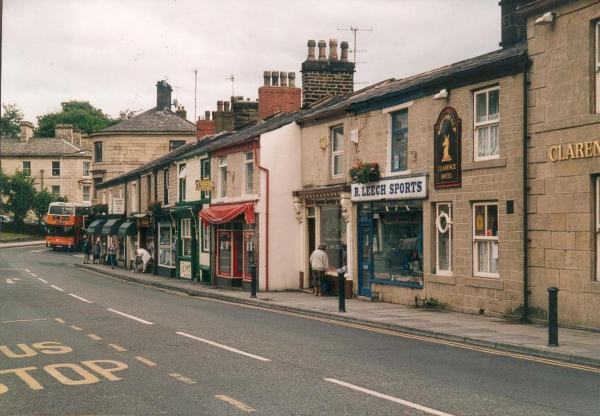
(513, 25)
(322, 52)
(181, 112)
(226, 106)
(26, 131)
(64, 131)
(344, 57)
(163, 95)
(77, 137)
(206, 127)
(333, 55)
(267, 78)
(281, 96)
(311, 50)
(219, 106)
(207, 115)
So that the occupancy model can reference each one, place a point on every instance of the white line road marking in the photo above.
(390, 398)
(225, 347)
(76, 328)
(182, 378)
(10, 282)
(145, 361)
(37, 251)
(57, 288)
(80, 298)
(117, 347)
(131, 317)
(16, 278)
(23, 320)
(34, 275)
(42, 280)
(95, 337)
(237, 404)
(59, 320)
(27, 271)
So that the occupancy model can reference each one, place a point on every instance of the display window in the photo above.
(333, 233)
(235, 249)
(186, 237)
(166, 255)
(224, 253)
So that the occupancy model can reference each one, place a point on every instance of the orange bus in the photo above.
(65, 225)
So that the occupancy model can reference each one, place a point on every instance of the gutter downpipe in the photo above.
(266, 218)
(525, 317)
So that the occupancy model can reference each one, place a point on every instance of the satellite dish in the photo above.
(175, 103)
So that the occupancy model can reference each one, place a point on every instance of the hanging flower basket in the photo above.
(154, 206)
(100, 209)
(365, 172)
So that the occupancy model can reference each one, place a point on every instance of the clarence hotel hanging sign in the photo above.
(446, 137)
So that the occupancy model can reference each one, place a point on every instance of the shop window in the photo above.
(337, 151)
(205, 239)
(86, 169)
(27, 168)
(205, 176)
(443, 240)
(56, 168)
(224, 256)
(399, 141)
(86, 193)
(182, 181)
(235, 249)
(397, 241)
(98, 151)
(223, 177)
(487, 124)
(166, 186)
(333, 233)
(485, 239)
(166, 254)
(249, 173)
(186, 237)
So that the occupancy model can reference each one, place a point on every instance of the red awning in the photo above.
(220, 214)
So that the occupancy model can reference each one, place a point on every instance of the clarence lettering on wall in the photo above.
(447, 152)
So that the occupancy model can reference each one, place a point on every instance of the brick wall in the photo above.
(276, 99)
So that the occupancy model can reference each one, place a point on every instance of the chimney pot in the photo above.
(333, 55)
(311, 50)
(220, 105)
(344, 57)
(292, 79)
(322, 47)
(207, 115)
(275, 78)
(284, 77)
(226, 106)
(267, 76)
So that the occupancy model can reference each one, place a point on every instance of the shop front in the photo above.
(110, 233)
(187, 261)
(167, 246)
(128, 232)
(234, 226)
(390, 233)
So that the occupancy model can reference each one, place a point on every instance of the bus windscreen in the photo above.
(60, 230)
(60, 210)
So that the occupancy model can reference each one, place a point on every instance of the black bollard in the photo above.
(253, 283)
(553, 317)
(341, 291)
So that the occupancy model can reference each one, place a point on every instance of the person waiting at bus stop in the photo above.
(96, 251)
(112, 254)
(319, 263)
(87, 249)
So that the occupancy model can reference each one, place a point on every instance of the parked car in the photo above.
(34, 222)
(5, 219)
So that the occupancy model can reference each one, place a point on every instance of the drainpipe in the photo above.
(156, 185)
(266, 219)
(525, 317)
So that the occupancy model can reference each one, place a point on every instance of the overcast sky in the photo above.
(112, 52)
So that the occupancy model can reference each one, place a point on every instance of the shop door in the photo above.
(365, 259)
(238, 254)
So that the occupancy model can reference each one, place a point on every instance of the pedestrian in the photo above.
(96, 251)
(86, 251)
(112, 254)
(143, 258)
(319, 263)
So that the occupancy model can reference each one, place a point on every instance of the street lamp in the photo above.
(61, 166)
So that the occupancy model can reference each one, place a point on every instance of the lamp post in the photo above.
(61, 166)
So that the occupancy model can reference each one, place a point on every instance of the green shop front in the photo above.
(187, 260)
(390, 233)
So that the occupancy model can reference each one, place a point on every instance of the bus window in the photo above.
(60, 230)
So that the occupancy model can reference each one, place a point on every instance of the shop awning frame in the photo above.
(95, 227)
(127, 228)
(111, 227)
(220, 214)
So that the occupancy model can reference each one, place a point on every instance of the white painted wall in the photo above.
(280, 153)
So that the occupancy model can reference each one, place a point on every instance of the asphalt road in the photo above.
(76, 342)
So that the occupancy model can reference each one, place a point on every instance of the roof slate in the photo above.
(153, 121)
(38, 147)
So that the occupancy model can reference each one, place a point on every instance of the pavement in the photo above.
(575, 346)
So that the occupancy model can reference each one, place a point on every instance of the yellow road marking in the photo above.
(182, 378)
(118, 348)
(76, 328)
(95, 337)
(59, 320)
(23, 320)
(420, 338)
(145, 361)
(234, 402)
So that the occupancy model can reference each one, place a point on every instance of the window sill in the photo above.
(484, 282)
(396, 174)
(446, 279)
(485, 164)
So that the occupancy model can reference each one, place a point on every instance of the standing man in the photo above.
(86, 251)
(319, 263)
(97, 250)
(112, 254)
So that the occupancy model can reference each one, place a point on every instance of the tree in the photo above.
(42, 200)
(80, 114)
(9, 122)
(19, 191)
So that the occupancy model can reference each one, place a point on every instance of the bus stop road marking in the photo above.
(182, 378)
(145, 361)
(95, 337)
(235, 403)
(42, 280)
(23, 320)
(59, 321)
(130, 317)
(119, 348)
(10, 282)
